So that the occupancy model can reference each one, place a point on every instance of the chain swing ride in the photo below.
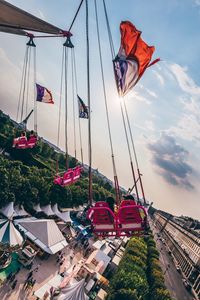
(133, 58)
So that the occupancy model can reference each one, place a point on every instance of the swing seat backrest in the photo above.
(129, 218)
(77, 173)
(58, 180)
(32, 142)
(21, 143)
(68, 177)
(102, 218)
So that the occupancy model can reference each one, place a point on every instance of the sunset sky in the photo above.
(164, 107)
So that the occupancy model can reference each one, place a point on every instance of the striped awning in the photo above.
(9, 234)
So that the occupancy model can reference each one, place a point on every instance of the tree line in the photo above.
(26, 176)
(139, 275)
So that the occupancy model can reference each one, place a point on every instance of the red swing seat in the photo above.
(32, 141)
(77, 173)
(20, 142)
(129, 220)
(102, 219)
(65, 179)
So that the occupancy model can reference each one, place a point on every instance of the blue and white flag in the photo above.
(43, 94)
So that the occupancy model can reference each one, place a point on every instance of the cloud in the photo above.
(135, 95)
(159, 77)
(185, 82)
(151, 93)
(197, 2)
(171, 160)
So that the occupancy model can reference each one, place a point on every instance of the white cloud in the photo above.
(197, 2)
(135, 95)
(159, 77)
(185, 82)
(149, 125)
(152, 93)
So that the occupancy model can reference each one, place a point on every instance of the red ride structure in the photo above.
(129, 220)
(69, 177)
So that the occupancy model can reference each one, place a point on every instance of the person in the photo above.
(13, 285)
(33, 136)
(111, 203)
(30, 274)
(9, 276)
(22, 138)
(129, 197)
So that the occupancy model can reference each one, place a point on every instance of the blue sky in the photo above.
(164, 107)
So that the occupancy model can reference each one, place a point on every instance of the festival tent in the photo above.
(9, 234)
(64, 216)
(20, 211)
(55, 209)
(47, 210)
(44, 233)
(73, 292)
(37, 208)
(8, 211)
(14, 20)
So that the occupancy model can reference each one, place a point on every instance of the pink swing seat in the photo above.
(22, 142)
(102, 219)
(129, 220)
(69, 177)
(32, 141)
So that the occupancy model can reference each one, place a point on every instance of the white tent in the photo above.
(37, 208)
(9, 234)
(74, 291)
(47, 210)
(44, 233)
(64, 216)
(20, 211)
(8, 210)
(55, 209)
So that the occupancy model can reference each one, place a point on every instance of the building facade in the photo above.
(184, 245)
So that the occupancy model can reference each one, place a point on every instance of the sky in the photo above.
(164, 106)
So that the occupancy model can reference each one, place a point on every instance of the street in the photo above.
(173, 278)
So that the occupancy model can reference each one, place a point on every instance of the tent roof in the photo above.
(55, 209)
(9, 234)
(14, 20)
(64, 216)
(74, 291)
(8, 210)
(44, 233)
(47, 210)
(20, 211)
(37, 207)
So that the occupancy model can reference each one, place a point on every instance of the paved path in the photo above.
(173, 279)
(47, 269)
